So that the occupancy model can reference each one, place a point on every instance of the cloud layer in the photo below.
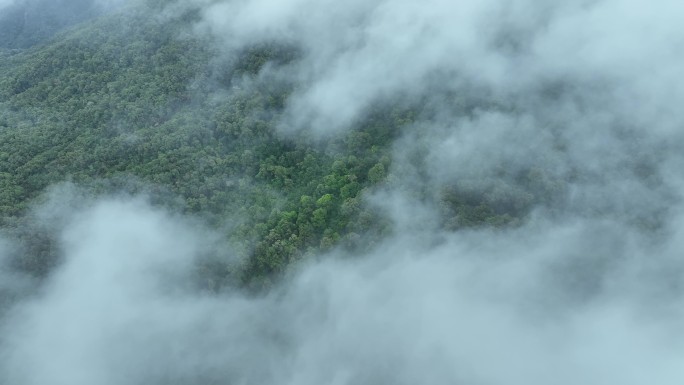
(570, 111)
(587, 302)
(623, 54)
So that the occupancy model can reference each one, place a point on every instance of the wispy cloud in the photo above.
(568, 112)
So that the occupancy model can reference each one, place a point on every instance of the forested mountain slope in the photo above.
(366, 192)
(133, 103)
(24, 23)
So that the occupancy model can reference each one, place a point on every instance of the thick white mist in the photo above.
(481, 307)
(359, 52)
(588, 288)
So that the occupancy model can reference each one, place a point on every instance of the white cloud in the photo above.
(360, 52)
(481, 307)
(587, 289)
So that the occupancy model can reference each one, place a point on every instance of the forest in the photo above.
(125, 104)
(371, 192)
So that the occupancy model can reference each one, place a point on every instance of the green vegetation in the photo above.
(126, 103)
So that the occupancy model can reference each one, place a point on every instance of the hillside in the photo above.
(311, 192)
(127, 103)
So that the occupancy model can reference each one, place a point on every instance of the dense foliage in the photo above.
(130, 103)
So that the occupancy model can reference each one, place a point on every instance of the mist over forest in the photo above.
(320, 192)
